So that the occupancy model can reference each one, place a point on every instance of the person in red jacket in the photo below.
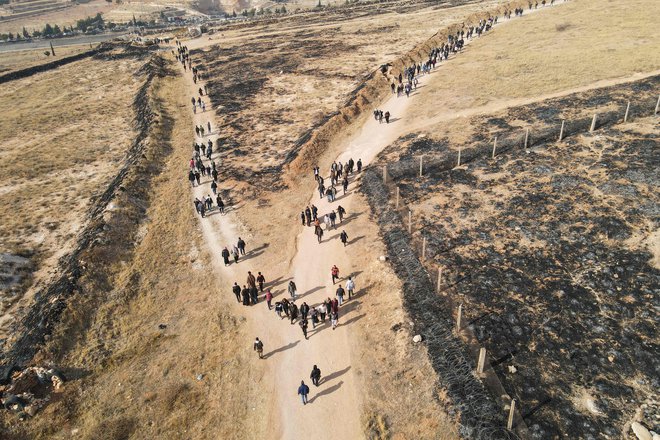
(335, 274)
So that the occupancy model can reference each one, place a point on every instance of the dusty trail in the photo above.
(335, 405)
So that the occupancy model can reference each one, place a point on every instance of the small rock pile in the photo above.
(30, 389)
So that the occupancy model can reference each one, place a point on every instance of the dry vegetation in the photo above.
(273, 88)
(571, 46)
(23, 59)
(552, 255)
(63, 134)
(131, 378)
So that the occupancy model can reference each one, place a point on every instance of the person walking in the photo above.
(292, 290)
(245, 294)
(343, 237)
(237, 291)
(340, 294)
(303, 325)
(304, 310)
(359, 165)
(341, 211)
(269, 298)
(315, 375)
(254, 295)
(241, 245)
(334, 319)
(279, 309)
(335, 274)
(234, 252)
(261, 280)
(259, 348)
(350, 287)
(225, 255)
(303, 391)
(319, 233)
(251, 280)
(315, 317)
(323, 310)
(285, 306)
(293, 312)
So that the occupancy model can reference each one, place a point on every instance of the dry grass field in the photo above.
(23, 59)
(571, 46)
(63, 135)
(128, 377)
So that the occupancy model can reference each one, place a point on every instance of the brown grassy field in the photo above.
(27, 58)
(60, 145)
(128, 377)
(560, 49)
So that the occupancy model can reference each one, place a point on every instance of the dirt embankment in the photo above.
(375, 87)
(112, 223)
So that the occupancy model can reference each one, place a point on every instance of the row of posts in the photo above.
(592, 128)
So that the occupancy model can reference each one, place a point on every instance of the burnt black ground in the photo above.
(537, 246)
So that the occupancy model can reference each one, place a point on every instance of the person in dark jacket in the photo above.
(241, 245)
(316, 375)
(303, 391)
(246, 296)
(225, 256)
(258, 346)
(344, 237)
(237, 291)
(293, 312)
(303, 325)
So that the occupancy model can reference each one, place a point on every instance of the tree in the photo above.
(57, 30)
(283, 10)
(48, 30)
(233, 14)
(134, 20)
(11, 36)
(26, 34)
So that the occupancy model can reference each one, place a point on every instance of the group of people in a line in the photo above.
(236, 252)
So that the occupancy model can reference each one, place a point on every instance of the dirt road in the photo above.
(334, 406)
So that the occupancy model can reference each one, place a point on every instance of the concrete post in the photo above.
(657, 106)
(593, 124)
(397, 197)
(385, 174)
(424, 249)
(526, 137)
(509, 423)
(439, 279)
(494, 147)
(625, 117)
(421, 165)
(459, 317)
(482, 360)
(561, 130)
(410, 222)
(459, 158)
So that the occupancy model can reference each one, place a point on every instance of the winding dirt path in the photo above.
(334, 408)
